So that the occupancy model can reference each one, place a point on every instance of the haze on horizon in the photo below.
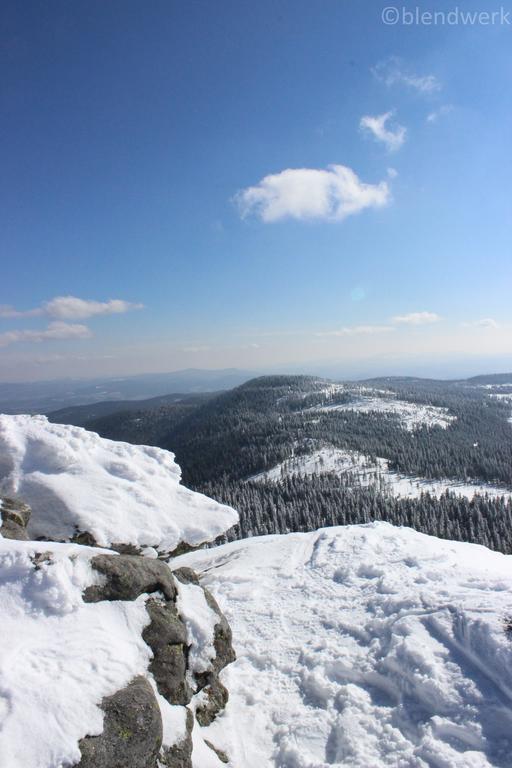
(265, 186)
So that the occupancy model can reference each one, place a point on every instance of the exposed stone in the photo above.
(166, 635)
(219, 752)
(132, 730)
(128, 576)
(180, 755)
(213, 700)
(84, 538)
(41, 558)
(186, 575)
(222, 636)
(15, 516)
(166, 627)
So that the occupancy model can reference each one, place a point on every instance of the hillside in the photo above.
(355, 646)
(298, 452)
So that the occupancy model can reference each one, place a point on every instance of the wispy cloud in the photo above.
(392, 71)
(71, 308)
(391, 136)
(55, 330)
(436, 114)
(416, 318)
(484, 322)
(358, 330)
(309, 193)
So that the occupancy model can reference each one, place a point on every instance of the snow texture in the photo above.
(373, 473)
(410, 415)
(58, 655)
(200, 620)
(120, 493)
(366, 647)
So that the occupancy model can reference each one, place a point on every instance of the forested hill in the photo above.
(422, 427)
(296, 452)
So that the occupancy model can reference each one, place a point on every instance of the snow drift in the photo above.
(364, 646)
(60, 656)
(75, 481)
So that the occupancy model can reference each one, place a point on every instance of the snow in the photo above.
(58, 655)
(410, 415)
(363, 646)
(75, 480)
(200, 620)
(374, 473)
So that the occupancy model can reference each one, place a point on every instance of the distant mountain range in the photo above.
(46, 396)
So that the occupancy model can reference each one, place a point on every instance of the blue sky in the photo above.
(154, 215)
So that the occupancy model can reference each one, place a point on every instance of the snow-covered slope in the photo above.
(411, 416)
(373, 473)
(76, 481)
(365, 646)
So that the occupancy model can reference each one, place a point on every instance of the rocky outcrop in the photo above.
(213, 694)
(133, 718)
(15, 516)
(132, 731)
(128, 576)
(166, 635)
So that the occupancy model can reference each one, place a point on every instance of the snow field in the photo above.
(364, 646)
(410, 415)
(371, 473)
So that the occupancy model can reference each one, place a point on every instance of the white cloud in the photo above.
(6, 311)
(71, 308)
(358, 330)
(54, 331)
(485, 322)
(434, 116)
(392, 71)
(392, 137)
(309, 193)
(416, 318)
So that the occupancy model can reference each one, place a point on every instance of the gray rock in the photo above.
(132, 731)
(166, 635)
(213, 700)
(219, 752)
(180, 755)
(15, 516)
(166, 627)
(223, 638)
(84, 538)
(128, 576)
(186, 575)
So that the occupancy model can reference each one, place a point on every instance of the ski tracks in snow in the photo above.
(364, 646)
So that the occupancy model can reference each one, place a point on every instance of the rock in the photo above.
(166, 635)
(213, 700)
(84, 538)
(186, 575)
(180, 755)
(222, 637)
(132, 731)
(15, 516)
(166, 627)
(219, 752)
(128, 576)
